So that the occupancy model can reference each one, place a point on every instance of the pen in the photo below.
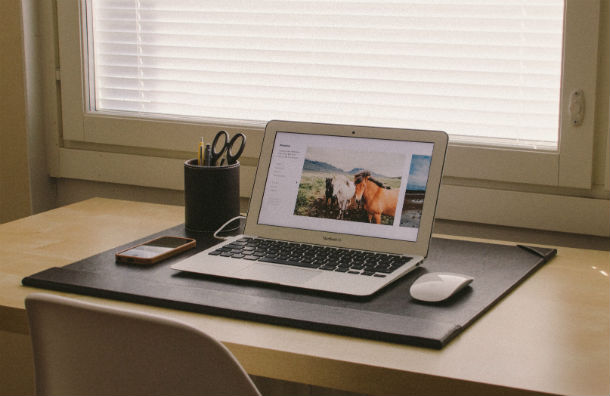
(200, 153)
(208, 155)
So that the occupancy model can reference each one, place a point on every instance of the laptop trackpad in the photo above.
(277, 274)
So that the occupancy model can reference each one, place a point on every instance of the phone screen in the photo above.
(155, 248)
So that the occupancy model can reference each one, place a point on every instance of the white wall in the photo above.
(14, 168)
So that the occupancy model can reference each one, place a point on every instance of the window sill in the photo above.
(479, 204)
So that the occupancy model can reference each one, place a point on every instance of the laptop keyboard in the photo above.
(349, 261)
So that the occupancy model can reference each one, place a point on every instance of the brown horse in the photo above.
(378, 199)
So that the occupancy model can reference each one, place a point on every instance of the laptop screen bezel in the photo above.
(415, 248)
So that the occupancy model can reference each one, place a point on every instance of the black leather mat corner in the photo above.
(390, 315)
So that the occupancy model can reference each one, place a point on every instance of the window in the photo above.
(110, 124)
(490, 69)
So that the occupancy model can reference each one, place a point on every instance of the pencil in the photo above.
(200, 153)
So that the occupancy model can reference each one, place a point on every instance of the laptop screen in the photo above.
(350, 185)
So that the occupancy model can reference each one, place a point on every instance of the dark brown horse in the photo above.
(378, 199)
(331, 197)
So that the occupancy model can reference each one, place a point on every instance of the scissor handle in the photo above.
(216, 152)
(232, 157)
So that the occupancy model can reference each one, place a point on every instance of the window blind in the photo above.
(482, 69)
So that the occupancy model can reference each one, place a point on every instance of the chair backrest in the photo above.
(86, 349)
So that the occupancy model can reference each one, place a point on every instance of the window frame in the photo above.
(112, 147)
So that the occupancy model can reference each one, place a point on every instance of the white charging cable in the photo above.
(225, 224)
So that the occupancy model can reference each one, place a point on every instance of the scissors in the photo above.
(227, 146)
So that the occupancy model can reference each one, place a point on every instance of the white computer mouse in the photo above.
(438, 286)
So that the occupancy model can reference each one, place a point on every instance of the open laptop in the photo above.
(336, 208)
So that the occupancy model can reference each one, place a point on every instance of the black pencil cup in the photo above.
(211, 196)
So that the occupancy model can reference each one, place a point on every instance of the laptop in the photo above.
(335, 208)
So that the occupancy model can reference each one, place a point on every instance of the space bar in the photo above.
(288, 262)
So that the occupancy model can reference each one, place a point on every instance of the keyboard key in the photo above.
(343, 265)
(287, 262)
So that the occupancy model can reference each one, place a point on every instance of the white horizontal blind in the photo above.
(477, 68)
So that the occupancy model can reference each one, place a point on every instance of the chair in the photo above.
(86, 349)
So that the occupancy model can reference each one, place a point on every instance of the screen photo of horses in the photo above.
(350, 185)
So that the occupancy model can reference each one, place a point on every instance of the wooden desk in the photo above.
(551, 335)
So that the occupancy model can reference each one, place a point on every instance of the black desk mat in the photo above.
(389, 315)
